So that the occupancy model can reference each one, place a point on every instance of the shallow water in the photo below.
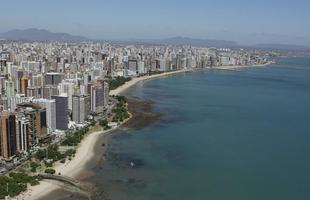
(234, 135)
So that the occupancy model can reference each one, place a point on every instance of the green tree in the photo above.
(50, 171)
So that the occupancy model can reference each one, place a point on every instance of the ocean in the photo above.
(223, 135)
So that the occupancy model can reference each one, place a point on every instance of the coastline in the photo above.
(85, 150)
(236, 67)
(136, 80)
(71, 168)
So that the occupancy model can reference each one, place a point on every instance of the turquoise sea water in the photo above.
(235, 135)
(225, 135)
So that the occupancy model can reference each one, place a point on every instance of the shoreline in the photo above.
(84, 153)
(85, 150)
(236, 67)
(136, 80)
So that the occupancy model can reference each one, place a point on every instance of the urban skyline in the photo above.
(53, 86)
(111, 99)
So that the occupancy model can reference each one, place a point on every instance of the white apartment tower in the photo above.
(50, 106)
(80, 108)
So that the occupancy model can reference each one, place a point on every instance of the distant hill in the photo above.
(282, 47)
(34, 34)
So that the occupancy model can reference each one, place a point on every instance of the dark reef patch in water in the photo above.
(143, 114)
(124, 160)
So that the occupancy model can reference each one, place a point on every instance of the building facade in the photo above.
(81, 108)
(8, 143)
(61, 112)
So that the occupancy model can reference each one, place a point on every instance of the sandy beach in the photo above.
(134, 81)
(237, 67)
(70, 168)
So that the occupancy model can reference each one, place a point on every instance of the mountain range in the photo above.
(34, 34)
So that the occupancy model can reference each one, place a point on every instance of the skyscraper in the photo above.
(37, 118)
(49, 91)
(8, 145)
(61, 112)
(68, 89)
(23, 133)
(97, 98)
(9, 88)
(23, 85)
(50, 106)
(81, 108)
(105, 93)
(53, 78)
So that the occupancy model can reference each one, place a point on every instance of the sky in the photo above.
(243, 21)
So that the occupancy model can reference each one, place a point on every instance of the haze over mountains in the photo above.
(34, 34)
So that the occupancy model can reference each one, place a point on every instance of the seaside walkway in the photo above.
(76, 186)
(65, 179)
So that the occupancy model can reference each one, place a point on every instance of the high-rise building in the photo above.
(61, 112)
(8, 144)
(50, 106)
(81, 108)
(37, 118)
(67, 88)
(18, 76)
(34, 92)
(133, 67)
(23, 133)
(141, 68)
(2, 84)
(23, 85)
(9, 88)
(106, 94)
(41, 124)
(97, 98)
(53, 78)
(49, 91)
(86, 78)
(36, 80)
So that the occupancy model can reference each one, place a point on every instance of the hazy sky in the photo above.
(244, 21)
